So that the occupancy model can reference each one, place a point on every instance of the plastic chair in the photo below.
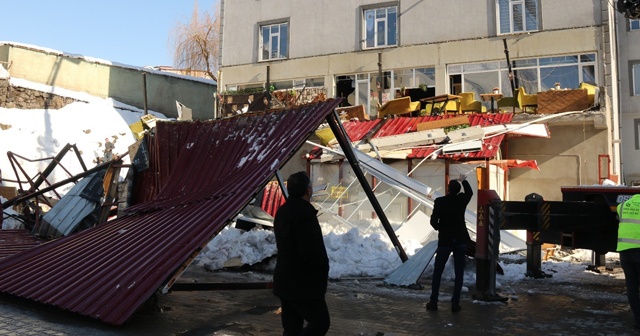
(592, 92)
(452, 106)
(506, 102)
(526, 100)
(398, 106)
(468, 103)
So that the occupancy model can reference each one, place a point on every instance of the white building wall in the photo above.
(327, 27)
(629, 44)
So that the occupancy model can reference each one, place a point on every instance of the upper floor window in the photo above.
(635, 74)
(274, 41)
(381, 27)
(634, 24)
(516, 16)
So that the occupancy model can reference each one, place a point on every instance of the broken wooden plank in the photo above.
(442, 123)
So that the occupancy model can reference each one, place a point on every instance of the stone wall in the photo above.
(22, 98)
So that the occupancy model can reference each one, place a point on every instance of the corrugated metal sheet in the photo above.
(67, 214)
(17, 240)
(206, 172)
(272, 198)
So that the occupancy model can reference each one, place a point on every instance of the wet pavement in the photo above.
(357, 307)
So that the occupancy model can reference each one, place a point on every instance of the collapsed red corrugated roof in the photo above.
(356, 130)
(201, 174)
(16, 240)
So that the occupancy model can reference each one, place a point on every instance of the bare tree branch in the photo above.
(196, 43)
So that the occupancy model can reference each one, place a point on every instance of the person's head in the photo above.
(299, 184)
(454, 187)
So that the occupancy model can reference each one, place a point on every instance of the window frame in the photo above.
(635, 78)
(511, 19)
(636, 133)
(375, 37)
(261, 45)
(530, 65)
(364, 84)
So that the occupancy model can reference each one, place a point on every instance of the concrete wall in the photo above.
(568, 158)
(101, 79)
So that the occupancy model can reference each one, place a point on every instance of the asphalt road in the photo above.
(357, 307)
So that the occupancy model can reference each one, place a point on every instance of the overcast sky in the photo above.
(129, 32)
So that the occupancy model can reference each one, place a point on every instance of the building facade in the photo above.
(629, 91)
(368, 51)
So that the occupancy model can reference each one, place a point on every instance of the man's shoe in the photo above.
(432, 306)
(455, 308)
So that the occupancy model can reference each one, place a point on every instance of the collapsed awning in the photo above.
(199, 176)
(377, 129)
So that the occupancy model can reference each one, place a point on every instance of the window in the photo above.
(534, 74)
(274, 41)
(515, 16)
(362, 88)
(634, 24)
(298, 83)
(380, 27)
(635, 74)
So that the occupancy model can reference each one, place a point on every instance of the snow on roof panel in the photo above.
(205, 172)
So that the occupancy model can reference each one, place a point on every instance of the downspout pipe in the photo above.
(218, 106)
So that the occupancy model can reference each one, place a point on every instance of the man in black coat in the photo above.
(448, 219)
(302, 266)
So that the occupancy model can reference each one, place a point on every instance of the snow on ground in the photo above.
(366, 251)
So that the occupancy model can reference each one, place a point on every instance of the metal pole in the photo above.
(268, 87)
(281, 184)
(380, 81)
(336, 127)
(144, 87)
(511, 79)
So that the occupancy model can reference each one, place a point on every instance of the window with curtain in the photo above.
(516, 16)
(274, 41)
(380, 27)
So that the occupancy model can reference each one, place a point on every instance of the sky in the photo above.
(134, 33)
(361, 249)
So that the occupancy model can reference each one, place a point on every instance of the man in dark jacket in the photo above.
(302, 265)
(448, 219)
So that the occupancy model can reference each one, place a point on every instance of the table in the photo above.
(444, 99)
(491, 97)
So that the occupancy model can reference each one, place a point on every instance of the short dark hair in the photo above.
(454, 187)
(297, 184)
